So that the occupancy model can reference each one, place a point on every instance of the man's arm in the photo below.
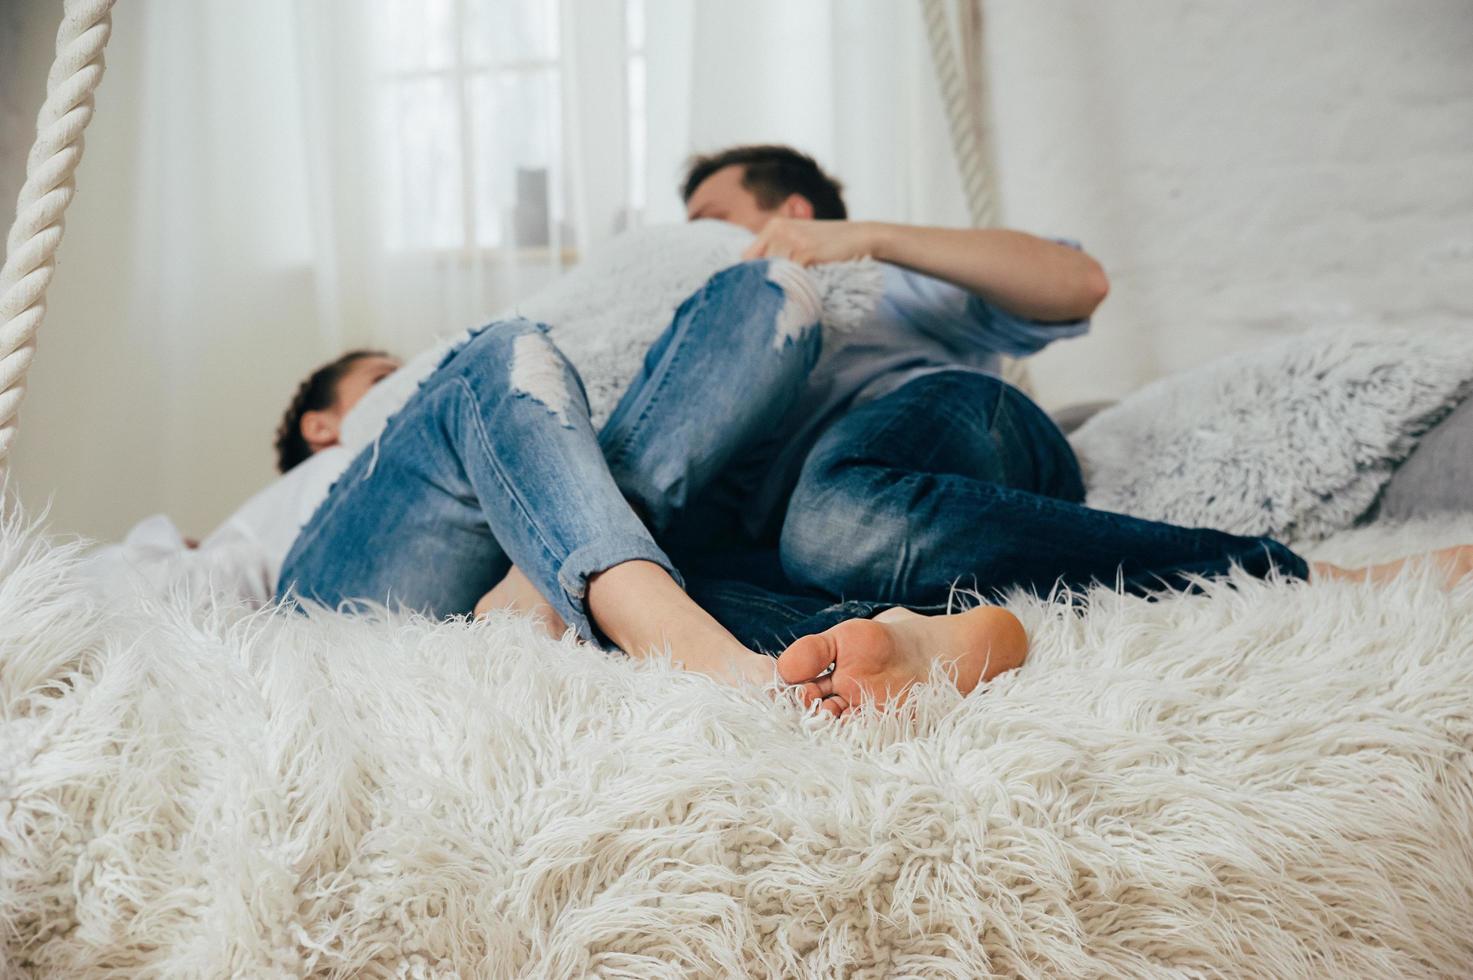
(1024, 274)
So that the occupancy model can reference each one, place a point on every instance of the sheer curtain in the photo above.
(271, 183)
(419, 163)
(850, 81)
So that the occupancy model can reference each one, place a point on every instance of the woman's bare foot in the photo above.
(517, 593)
(646, 613)
(1455, 564)
(876, 661)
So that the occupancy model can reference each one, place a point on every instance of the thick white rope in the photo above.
(957, 54)
(30, 248)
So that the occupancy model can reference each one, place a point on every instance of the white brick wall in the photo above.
(1242, 170)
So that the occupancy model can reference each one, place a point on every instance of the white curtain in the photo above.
(307, 178)
(409, 167)
(850, 81)
(416, 164)
(270, 183)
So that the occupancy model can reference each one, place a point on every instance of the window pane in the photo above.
(414, 35)
(420, 144)
(516, 143)
(499, 31)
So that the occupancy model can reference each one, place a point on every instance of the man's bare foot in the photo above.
(876, 661)
(1455, 564)
(517, 593)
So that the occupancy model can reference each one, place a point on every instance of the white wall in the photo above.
(1242, 170)
(119, 405)
(78, 446)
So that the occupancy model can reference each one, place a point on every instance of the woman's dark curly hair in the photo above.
(317, 393)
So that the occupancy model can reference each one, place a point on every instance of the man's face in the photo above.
(723, 197)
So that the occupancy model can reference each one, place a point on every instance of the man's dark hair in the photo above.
(317, 393)
(772, 173)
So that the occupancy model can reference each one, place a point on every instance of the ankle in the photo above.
(624, 602)
(645, 612)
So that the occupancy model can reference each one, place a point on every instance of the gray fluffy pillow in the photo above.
(1292, 441)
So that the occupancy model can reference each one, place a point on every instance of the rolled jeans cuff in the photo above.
(599, 556)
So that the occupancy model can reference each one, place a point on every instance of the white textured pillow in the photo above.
(1292, 441)
(606, 312)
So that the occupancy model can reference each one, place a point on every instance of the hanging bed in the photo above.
(1260, 779)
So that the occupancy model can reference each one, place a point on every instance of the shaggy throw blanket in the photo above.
(1291, 440)
(1272, 780)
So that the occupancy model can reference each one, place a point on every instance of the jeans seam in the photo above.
(650, 394)
(506, 485)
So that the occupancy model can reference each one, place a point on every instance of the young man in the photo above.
(915, 468)
(953, 299)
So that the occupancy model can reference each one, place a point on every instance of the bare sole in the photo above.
(877, 661)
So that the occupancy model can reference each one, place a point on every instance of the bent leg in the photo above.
(958, 479)
(493, 459)
(724, 373)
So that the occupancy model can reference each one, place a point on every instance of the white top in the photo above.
(241, 559)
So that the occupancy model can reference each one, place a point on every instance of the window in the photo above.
(470, 123)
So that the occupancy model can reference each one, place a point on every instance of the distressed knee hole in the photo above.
(538, 372)
(801, 302)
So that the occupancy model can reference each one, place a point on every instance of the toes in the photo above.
(854, 690)
(817, 690)
(834, 705)
(806, 658)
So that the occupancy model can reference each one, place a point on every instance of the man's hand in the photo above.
(809, 242)
(1022, 273)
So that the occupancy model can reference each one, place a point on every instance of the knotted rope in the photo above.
(957, 55)
(30, 248)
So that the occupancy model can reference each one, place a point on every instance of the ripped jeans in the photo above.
(957, 479)
(495, 460)
(954, 480)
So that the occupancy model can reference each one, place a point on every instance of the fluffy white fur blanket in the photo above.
(1272, 780)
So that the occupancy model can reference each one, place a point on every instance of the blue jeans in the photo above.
(494, 460)
(957, 478)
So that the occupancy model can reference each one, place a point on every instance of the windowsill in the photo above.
(516, 255)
